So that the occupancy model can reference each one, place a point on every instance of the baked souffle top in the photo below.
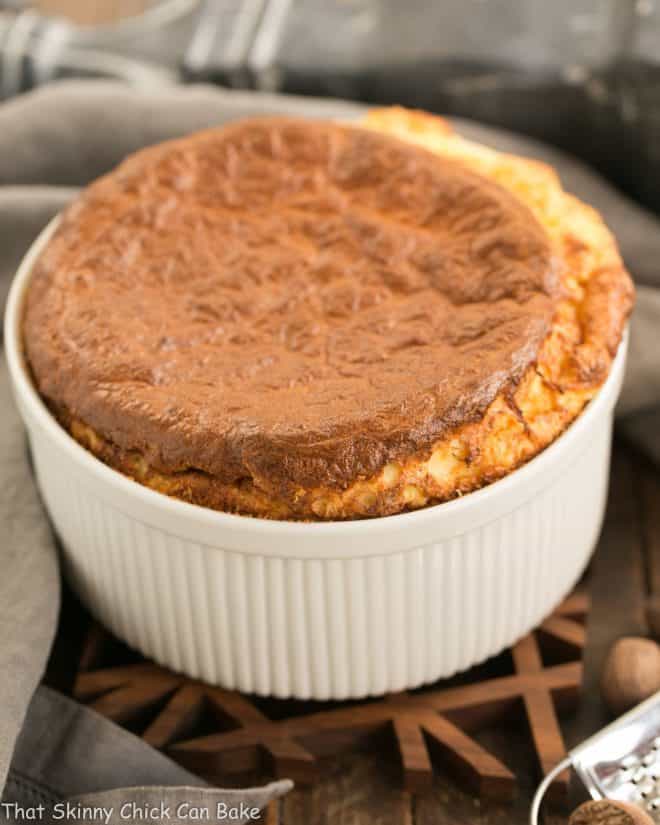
(304, 319)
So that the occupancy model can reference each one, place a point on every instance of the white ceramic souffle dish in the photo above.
(319, 610)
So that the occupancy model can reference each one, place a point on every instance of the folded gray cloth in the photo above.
(67, 758)
(54, 141)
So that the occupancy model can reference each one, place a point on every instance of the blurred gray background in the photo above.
(581, 74)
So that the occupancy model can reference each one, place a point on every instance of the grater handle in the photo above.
(543, 788)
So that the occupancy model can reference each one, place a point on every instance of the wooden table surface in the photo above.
(364, 788)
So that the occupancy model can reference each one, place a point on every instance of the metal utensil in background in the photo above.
(620, 762)
(223, 40)
(144, 50)
(172, 41)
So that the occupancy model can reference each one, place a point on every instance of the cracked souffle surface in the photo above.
(308, 320)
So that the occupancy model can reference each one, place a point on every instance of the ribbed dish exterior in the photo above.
(328, 628)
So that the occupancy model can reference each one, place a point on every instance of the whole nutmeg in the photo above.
(653, 616)
(631, 673)
(609, 812)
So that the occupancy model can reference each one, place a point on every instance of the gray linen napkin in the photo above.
(67, 756)
(51, 142)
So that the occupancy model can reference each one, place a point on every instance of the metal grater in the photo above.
(620, 762)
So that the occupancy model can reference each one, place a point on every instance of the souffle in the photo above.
(299, 319)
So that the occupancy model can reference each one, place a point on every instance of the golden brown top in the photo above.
(294, 301)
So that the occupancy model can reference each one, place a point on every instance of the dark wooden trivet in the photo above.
(218, 733)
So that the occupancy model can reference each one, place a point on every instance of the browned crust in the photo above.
(573, 362)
